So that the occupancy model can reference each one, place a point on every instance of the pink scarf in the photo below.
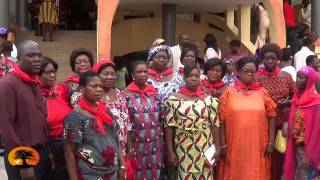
(309, 102)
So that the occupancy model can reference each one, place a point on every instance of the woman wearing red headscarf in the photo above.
(114, 99)
(303, 150)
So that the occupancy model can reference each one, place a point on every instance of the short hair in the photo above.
(134, 65)
(243, 61)
(24, 45)
(86, 77)
(7, 46)
(188, 69)
(310, 59)
(235, 43)
(310, 39)
(286, 54)
(77, 52)
(214, 62)
(271, 47)
(188, 47)
(45, 61)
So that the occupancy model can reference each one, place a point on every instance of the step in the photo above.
(62, 46)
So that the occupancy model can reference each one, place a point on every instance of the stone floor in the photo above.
(3, 174)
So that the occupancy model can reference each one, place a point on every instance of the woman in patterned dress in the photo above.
(81, 61)
(48, 17)
(6, 64)
(246, 115)
(162, 77)
(302, 160)
(191, 128)
(214, 69)
(280, 87)
(91, 145)
(145, 136)
(114, 99)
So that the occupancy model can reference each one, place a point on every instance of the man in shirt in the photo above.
(176, 50)
(23, 112)
(306, 50)
(306, 13)
(313, 62)
(235, 51)
(290, 19)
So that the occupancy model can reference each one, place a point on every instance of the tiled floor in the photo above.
(3, 174)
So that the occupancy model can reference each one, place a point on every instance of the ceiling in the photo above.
(183, 6)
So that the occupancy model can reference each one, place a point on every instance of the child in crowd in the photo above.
(230, 77)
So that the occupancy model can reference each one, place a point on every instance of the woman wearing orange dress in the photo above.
(247, 129)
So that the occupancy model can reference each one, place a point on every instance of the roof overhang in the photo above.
(184, 6)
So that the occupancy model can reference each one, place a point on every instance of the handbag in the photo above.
(280, 143)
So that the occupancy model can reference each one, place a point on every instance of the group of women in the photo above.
(163, 123)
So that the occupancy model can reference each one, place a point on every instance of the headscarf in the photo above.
(101, 63)
(308, 97)
(3, 31)
(156, 49)
(308, 102)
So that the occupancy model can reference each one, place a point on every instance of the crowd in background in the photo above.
(97, 125)
(160, 117)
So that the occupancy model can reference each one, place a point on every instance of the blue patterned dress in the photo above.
(165, 89)
(147, 136)
(97, 155)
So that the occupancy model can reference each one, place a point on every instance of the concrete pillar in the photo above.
(4, 13)
(244, 27)
(315, 16)
(23, 15)
(13, 12)
(106, 12)
(169, 23)
(277, 29)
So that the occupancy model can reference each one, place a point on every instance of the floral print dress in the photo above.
(5, 66)
(120, 114)
(97, 155)
(165, 89)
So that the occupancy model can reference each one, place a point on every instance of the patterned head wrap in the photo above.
(3, 31)
(228, 61)
(156, 49)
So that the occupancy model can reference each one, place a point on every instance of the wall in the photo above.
(139, 34)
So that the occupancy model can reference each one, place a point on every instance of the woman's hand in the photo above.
(173, 160)
(122, 173)
(285, 130)
(269, 149)
(224, 150)
(217, 155)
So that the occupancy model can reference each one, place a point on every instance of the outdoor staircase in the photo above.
(62, 46)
